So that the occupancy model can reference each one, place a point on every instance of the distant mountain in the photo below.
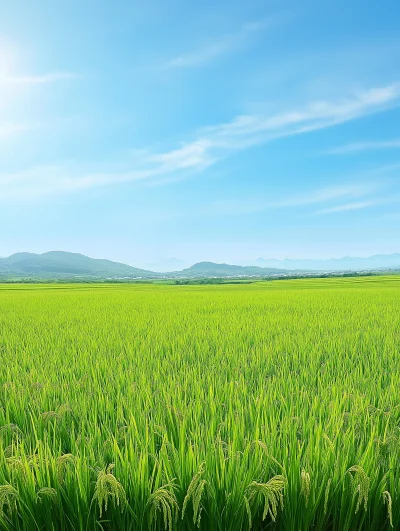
(347, 263)
(63, 265)
(210, 269)
(59, 264)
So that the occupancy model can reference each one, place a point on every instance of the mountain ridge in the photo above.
(61, 265)
(214, 269)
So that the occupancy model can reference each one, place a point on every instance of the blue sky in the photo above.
(219, 131)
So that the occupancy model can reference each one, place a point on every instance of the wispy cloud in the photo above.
(193, 155)
(216, 142)
(346, 207)
(324, 195)
(329, 193)
(58, 179)
(218, 47)
(314, 116)
(356, 147)
(212, 144)
(50, 77)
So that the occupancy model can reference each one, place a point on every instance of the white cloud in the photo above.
(216, 142)
(46, 180)
(329, 193)
(194, 155)
(306, 198)
(211, 145)
(221, 46)
(316, 115)
(346, 207)
(356, 147)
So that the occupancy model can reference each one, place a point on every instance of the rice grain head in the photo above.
(327, 489)
(109, 488)
(271, 493)
(194, 492)
(305, 485)
(387, 500)
(248, 511)
(163, 500)
(46, 492)
(8, 498)
(62, 463)
(360, 484)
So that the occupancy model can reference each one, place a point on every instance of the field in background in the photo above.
(223, 407)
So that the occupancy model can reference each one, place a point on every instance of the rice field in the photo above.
(273, 405)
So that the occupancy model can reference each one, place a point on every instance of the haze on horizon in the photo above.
(202, 132)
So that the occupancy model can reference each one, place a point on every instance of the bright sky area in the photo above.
(223, 131)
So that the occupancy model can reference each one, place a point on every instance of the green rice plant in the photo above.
(290, 379)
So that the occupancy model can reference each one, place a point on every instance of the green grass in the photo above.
(152, 406)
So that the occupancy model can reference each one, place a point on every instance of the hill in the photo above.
(210, 269)
(61, 265)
